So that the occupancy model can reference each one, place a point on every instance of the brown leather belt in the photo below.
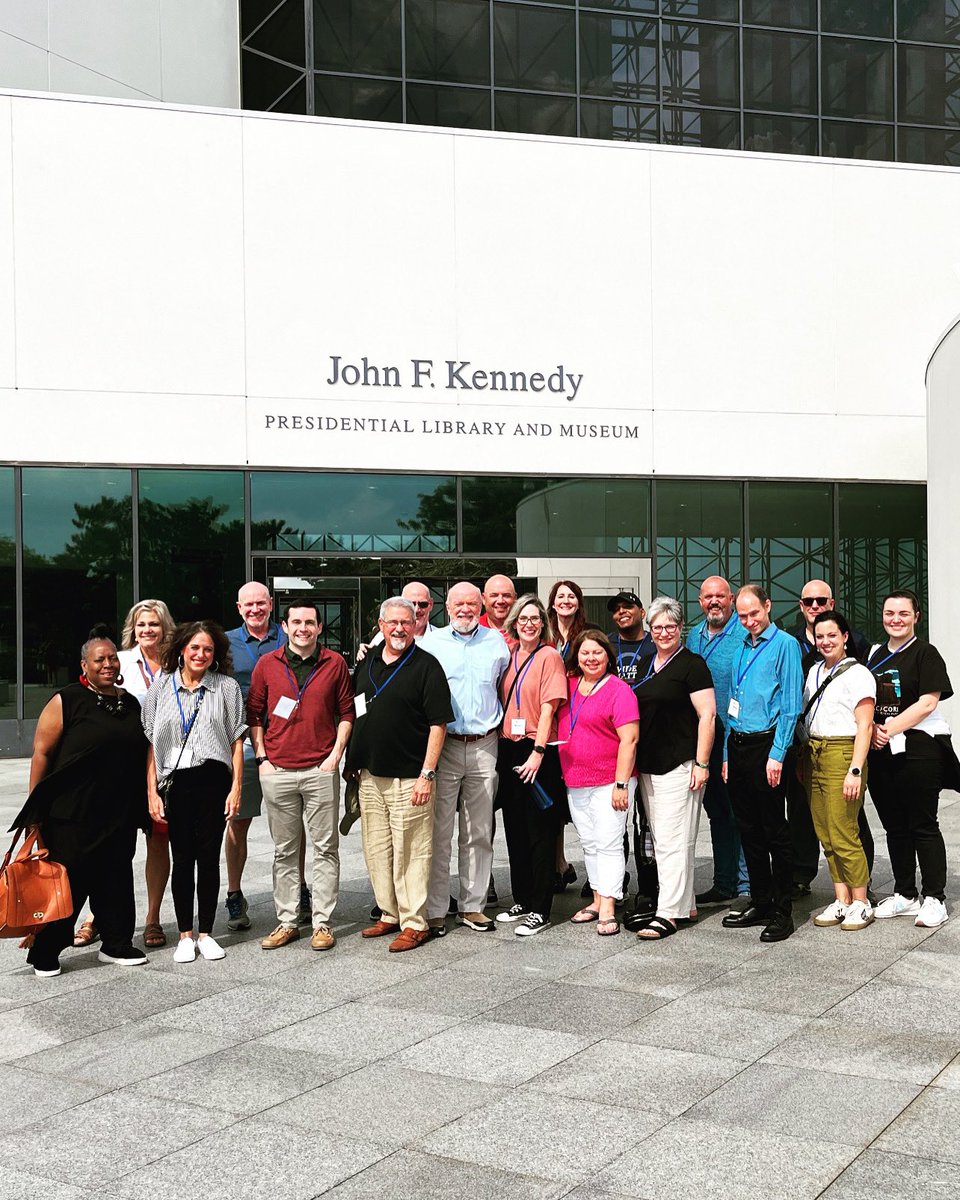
(471, 737)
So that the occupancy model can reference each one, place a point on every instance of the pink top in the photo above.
(588, 754)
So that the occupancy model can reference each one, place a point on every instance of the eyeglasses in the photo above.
(810, 601)
(529, 620)
(656, 630)
(406, 623)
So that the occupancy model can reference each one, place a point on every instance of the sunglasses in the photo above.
(422, 603)
(810, 601)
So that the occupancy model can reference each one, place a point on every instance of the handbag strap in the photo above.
(823, 687)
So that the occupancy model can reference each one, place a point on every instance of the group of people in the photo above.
(532, 710)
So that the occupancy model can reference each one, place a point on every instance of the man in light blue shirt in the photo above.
(766, 688)
(717, 639)
(473, 658)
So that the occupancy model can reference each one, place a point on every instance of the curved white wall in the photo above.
(943, 499)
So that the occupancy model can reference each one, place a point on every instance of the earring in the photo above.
(83, 679)
(180, 662)
(215, 665)
(119, 679)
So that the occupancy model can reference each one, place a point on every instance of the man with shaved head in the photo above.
(473, 658)
(499, 596)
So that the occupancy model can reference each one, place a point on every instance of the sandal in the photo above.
(153, 935)
(585, 916)
(608, 926)
(87, 934)
(656, 929)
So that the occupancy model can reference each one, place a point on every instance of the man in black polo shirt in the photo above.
(403, 706)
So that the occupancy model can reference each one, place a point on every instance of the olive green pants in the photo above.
(834, 817)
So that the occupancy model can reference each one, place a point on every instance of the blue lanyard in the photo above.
(401, 663)
(293, 682)
(742, 674)
(562, 648)
(186, 725)
(712, 644)
(575, 710)
(872, 666)
(653, 670)
(630, 664)
(520, 674)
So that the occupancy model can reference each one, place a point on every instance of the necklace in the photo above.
(110, 704)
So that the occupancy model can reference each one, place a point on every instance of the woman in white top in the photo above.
(838, 701)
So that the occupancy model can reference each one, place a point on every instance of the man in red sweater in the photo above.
(300, 712)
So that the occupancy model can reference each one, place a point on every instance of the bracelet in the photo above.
(703, 766)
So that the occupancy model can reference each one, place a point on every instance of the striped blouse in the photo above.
(169, 707)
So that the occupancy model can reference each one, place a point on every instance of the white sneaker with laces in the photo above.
(833, 915)
(933, 913)
(514, 913)
(858, 916)
(532, 923)
(209, 949)
(897, 906)
(186, 950)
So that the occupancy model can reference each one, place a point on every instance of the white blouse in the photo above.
(832, 714)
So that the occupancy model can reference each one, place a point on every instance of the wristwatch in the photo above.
(430, 776)
(261, 759)
(854, 771)
(621, 786)
(539, 749)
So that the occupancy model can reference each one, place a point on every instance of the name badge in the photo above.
(360, 704)
(518, 727)
(285, 706)
(733, 708)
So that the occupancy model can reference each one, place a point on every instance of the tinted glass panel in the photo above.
(928, 84)
(357, 35)
(929, 146)
(8, 597)
(618, 122)
(293, 101)
(872, 18)
(793, 14)
(516, 113)
(636, 6)
(77, 544)
(791, 527)
(357, 513)
(701, 127)
(779, 71)
(779, 135)
(283, 34)
(857, 79)
(844, 139)
(253, 12)
(700, 64)
(448, 39)
(704, 10)
(929, 20)
(534, 48)
(264, 81)
(618, 56)
(461, 108)
(360, 99)
(699, 533)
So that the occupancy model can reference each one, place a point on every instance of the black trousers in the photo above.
(104, 875)
(648, 875)
(905, 789)
(531, 832)
(761, 818)
(197, 822)
(806, 844)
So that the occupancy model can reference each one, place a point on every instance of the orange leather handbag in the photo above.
(33, 890)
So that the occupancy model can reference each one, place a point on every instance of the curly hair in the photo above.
(185, 632)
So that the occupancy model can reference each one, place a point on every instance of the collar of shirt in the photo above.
(272, 634)
(473, 664)
(301, 666)
(211, 681)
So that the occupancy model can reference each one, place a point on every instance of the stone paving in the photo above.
(491, 1067)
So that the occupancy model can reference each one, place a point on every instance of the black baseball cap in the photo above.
(624, 598)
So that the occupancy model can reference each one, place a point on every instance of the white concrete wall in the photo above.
(170, 279)
(180, 51)
(943, 502)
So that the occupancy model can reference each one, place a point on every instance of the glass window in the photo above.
(357, 35)
(618, 56)
(263, 80)
(779, 71)
(283, 34)
(355, 513)
(928, 85)
(871, 18)
(77, 543)
(847, 139)
(935, 146)
(253, 12)
(883, 545)
(460, 108)
(8, 598)
(857, 79)
(192, 540)
(618, 121)
(699, 533)
(929, 20)
(637, 6)
(534, 48)
(791, 528)
(701, 127)
(359, 99)
(779, 135)
(703, 10)
(294, 100)
(790, 14)
(448, 39)
(700, 64)
(517, 113)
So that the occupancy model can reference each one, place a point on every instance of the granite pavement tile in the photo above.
(929, 1128)
(904, 1009)
(934, 967)
(29, 1097)
(949, 1077)
(651, 973)
(645, 1077)
(880, 1175)
(538, 958)
(409, 1175)
(451, 990)
(569, 1009)
(787, 986)
(697, 1024)
(244, 1012)
(572, 1141)
(22, 1185)
(488, 1052)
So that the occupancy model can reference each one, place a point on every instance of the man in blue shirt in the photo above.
(766, 688)
(473, 658)
(255, 636)
(717, 639)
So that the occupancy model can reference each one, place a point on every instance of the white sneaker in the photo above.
(933, 912)
(209, 949)
(897, 906)
(833, 915)
(186, 950)
(512, 914)
(858, 916)
(532, 923)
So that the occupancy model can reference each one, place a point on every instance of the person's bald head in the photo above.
(463, 606)
(816, 597)
(499, 596)
(255, 604)
(716, 601)
(419, 594)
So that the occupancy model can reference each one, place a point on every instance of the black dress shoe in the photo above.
(799, 890)
(750, 916)
(779, 929)
(713, 896)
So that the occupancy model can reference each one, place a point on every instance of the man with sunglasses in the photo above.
(419, 596)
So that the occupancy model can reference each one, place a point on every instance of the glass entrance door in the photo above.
(337, 598)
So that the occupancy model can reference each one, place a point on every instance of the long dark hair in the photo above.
(188, 630)
(579, 617)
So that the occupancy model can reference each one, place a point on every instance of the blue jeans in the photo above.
(729, 866)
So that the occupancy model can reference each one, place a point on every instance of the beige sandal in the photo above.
(87, 934)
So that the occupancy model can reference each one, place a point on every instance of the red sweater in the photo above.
(307, 736)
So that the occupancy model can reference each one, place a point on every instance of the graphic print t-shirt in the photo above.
(904, 678)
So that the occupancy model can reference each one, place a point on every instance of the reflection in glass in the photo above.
(449, 40)
(779, 135)
(847, 139)
(357, 35)
(791, 526)
(779, 71)
(294, 100)
(869, 18)
(8, 590)
(928, 85)
(699, 533)
(618, 56)
(552, 115)
(701, 127)
(534, 48)
(618, 121)
(283, 34)
(791, 14)
(929, 146)
(701, 64)
(705, 10)
(264, 81)
(460, 108)
(585, 516)
(929, 21)
(857, 79)
(359, 99)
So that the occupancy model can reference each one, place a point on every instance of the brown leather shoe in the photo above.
(322, 939)
(408, 939)
(280, 937)
(379, 929)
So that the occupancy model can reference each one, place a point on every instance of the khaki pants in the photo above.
(292, 798)
(834, 818)
(397, 847)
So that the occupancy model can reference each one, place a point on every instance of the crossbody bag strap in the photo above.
(823, 687)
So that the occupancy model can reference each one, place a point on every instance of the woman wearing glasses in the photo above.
(678, 711)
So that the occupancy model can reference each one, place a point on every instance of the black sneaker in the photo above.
(799, 890)
(532, 923)
(713, 896)
(305, 911)
(452, 908)
(376, 913)
(492, 897)
(586, 892)
(46, 968)
(236, 905)
(563, 880)
(126, 956)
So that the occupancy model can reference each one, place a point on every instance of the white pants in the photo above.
(673, 812)
(600, 828)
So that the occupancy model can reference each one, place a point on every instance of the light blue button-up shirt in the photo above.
(718, 651)
(767, 681)
(473, 663)
(246, 651)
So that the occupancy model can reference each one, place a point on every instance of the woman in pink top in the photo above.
(598, 732)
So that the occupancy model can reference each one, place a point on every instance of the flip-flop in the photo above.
(656, 929)
(604, 926)
(153, 935)
(86, 935)
(585, 916)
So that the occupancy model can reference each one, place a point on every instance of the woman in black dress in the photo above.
(88, 797)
